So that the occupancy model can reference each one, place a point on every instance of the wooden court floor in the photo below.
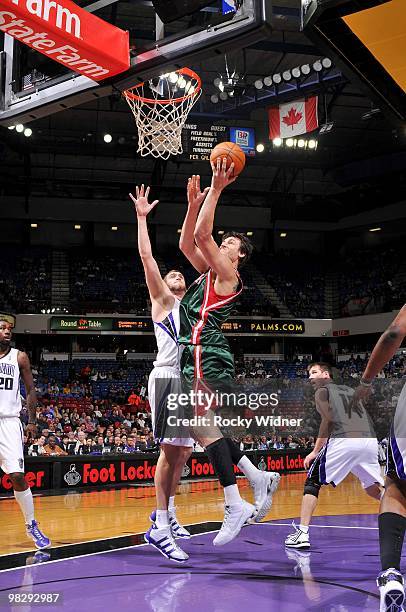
(76, 517)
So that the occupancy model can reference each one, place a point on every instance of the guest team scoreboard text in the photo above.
(198, 140)
(144, 324)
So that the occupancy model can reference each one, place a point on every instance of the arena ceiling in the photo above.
(360, 164)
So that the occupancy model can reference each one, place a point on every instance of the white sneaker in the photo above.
(390, 583)
(297, 539)
(234, 518)
(178, 530)
(264, 489)
(163, 540)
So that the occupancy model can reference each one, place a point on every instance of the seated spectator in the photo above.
(263, 443)
(80, 447)
(37, 447)
(134, 399)
(52, 449)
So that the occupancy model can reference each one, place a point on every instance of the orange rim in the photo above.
(130, 93)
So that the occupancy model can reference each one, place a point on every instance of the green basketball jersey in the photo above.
(202, 313)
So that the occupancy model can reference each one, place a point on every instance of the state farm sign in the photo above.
(67, 34)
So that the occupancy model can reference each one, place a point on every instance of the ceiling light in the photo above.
(287, 75)
(258, 84)
(260, 147)
(312, 144)
(296, 72)
(290, 142)
(375, 229)
(214, 98)
(11, 127)
(220, 232)
(301, 143)
(223, 95)
(114, 228)
(277, 78)
(27, 132)
(250, 233)
(283, 234)
(107, 138)
(326, 62)
(317, 66)
(34, 225)
(277, 142)
(268, 81)
(179, 230)
(77, 227)
(216, 82)
(19, 127)
(305, 69)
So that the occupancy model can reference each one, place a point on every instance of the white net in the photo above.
(160, 108)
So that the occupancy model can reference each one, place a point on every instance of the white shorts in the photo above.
(11, 445)
(157, 395)
(340, 456)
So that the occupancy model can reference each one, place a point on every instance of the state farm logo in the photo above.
(55, 13)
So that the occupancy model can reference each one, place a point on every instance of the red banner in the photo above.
(68, 34)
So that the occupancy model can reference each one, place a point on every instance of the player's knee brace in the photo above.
(311, 488)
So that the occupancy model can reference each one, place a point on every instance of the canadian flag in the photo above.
(293, 118)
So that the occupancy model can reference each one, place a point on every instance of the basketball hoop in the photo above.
(160, 108)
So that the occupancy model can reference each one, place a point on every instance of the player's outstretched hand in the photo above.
(221, 176)
(309, 460)
(195, 197)
(141, 204)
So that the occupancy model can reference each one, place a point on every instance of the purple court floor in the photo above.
(254, 572)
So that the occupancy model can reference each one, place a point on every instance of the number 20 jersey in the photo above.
(10, 402)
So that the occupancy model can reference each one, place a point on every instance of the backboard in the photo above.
(34, 86)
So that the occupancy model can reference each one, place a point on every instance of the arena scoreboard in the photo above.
(199, 139)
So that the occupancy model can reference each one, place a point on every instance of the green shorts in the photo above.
(211, 363)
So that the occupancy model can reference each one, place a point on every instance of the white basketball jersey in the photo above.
(347, 419)
(10, 401)
(166, 333)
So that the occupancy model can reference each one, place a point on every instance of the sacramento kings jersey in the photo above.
(202, 313)
(166, 333)
(10, 401)
(399, 419)
(348, 420)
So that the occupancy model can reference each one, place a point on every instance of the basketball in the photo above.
(232, 152)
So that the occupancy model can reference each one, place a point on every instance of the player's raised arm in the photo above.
(187, 244)
(158, 290)
(203, 235)
(386, 346)
(26, 375)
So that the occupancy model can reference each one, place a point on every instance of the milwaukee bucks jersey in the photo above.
(202, 313)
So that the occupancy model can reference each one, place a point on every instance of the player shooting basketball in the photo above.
(206, 305)
(392, 512)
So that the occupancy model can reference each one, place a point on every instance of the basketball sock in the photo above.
(236, 454)
(171, 505)
(232, 495)
(162, 519)
(220, 458)
(249, 470)
(26, 503)
(304, 528)
(392, 528)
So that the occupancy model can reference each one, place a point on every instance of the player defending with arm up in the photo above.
(392, 512)
(206, 357)
(165, 294)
